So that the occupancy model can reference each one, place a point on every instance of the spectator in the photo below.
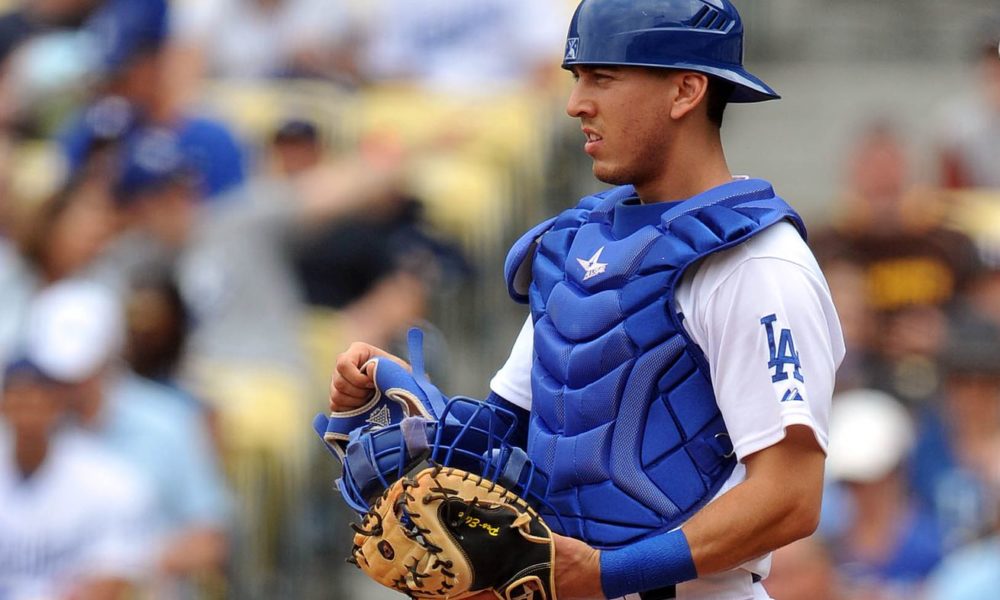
(888, 545)
(158, 323)
(53, 59)
(157, 326)
(75, 521)
(232, 258)
(893, 229)
(464, 46)
(803, 570)
(969, 132)
(955, 469)
(31, 17)
(60, 238)
(913, 268)
(244, 356)
(971, 573)
(135, 72)
(72, 229)
(74, 334)
(95, 141)
(846, 279)
(388, 245)
(44, 80)
(296, 147)
(257, 39)
(983, 297)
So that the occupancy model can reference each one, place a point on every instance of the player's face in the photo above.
(625, 117)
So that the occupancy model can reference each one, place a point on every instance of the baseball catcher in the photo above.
(462, 524)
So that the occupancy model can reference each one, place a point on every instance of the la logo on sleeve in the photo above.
(782, 352)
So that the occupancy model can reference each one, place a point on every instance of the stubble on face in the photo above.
(640, 157)
(636, 124)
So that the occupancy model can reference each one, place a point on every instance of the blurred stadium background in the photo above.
(253, 184)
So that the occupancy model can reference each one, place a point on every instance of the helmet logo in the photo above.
(572, 48)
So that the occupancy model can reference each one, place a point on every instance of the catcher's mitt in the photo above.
(449, 534)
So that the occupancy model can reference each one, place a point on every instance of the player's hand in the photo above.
(350, 386)
(578, 570)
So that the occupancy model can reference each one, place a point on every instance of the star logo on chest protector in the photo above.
(591, 267)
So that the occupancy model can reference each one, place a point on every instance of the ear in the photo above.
(691, 91)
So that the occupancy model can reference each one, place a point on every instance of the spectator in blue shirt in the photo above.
(888, 545)
(74, 333)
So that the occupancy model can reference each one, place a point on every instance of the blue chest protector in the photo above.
(624, 419)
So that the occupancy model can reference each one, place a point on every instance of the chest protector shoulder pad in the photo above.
(624, 419)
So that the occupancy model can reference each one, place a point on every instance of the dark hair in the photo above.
(717, 97)
(296, 130)
(156, 340)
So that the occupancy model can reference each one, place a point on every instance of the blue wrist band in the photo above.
(653, 563)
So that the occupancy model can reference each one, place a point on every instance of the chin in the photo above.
(610, 175)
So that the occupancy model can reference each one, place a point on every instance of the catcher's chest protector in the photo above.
(624, 418)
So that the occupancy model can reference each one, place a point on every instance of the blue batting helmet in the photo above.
(694, 35)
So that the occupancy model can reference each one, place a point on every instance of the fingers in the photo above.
(350, 363)
(352, 386)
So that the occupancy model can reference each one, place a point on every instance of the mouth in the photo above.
(594, 140)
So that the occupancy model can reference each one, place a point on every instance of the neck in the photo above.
(694, 164)
(29, 453)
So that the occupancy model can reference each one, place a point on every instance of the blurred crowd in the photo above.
(203, 201)
(912, 508)
(200, 204)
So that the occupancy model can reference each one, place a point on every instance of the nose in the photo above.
(579, 105)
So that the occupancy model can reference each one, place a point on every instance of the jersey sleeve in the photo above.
(763, 316)
(513, 381)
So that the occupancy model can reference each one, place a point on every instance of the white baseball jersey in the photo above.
(82, 514)
(762, 314)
